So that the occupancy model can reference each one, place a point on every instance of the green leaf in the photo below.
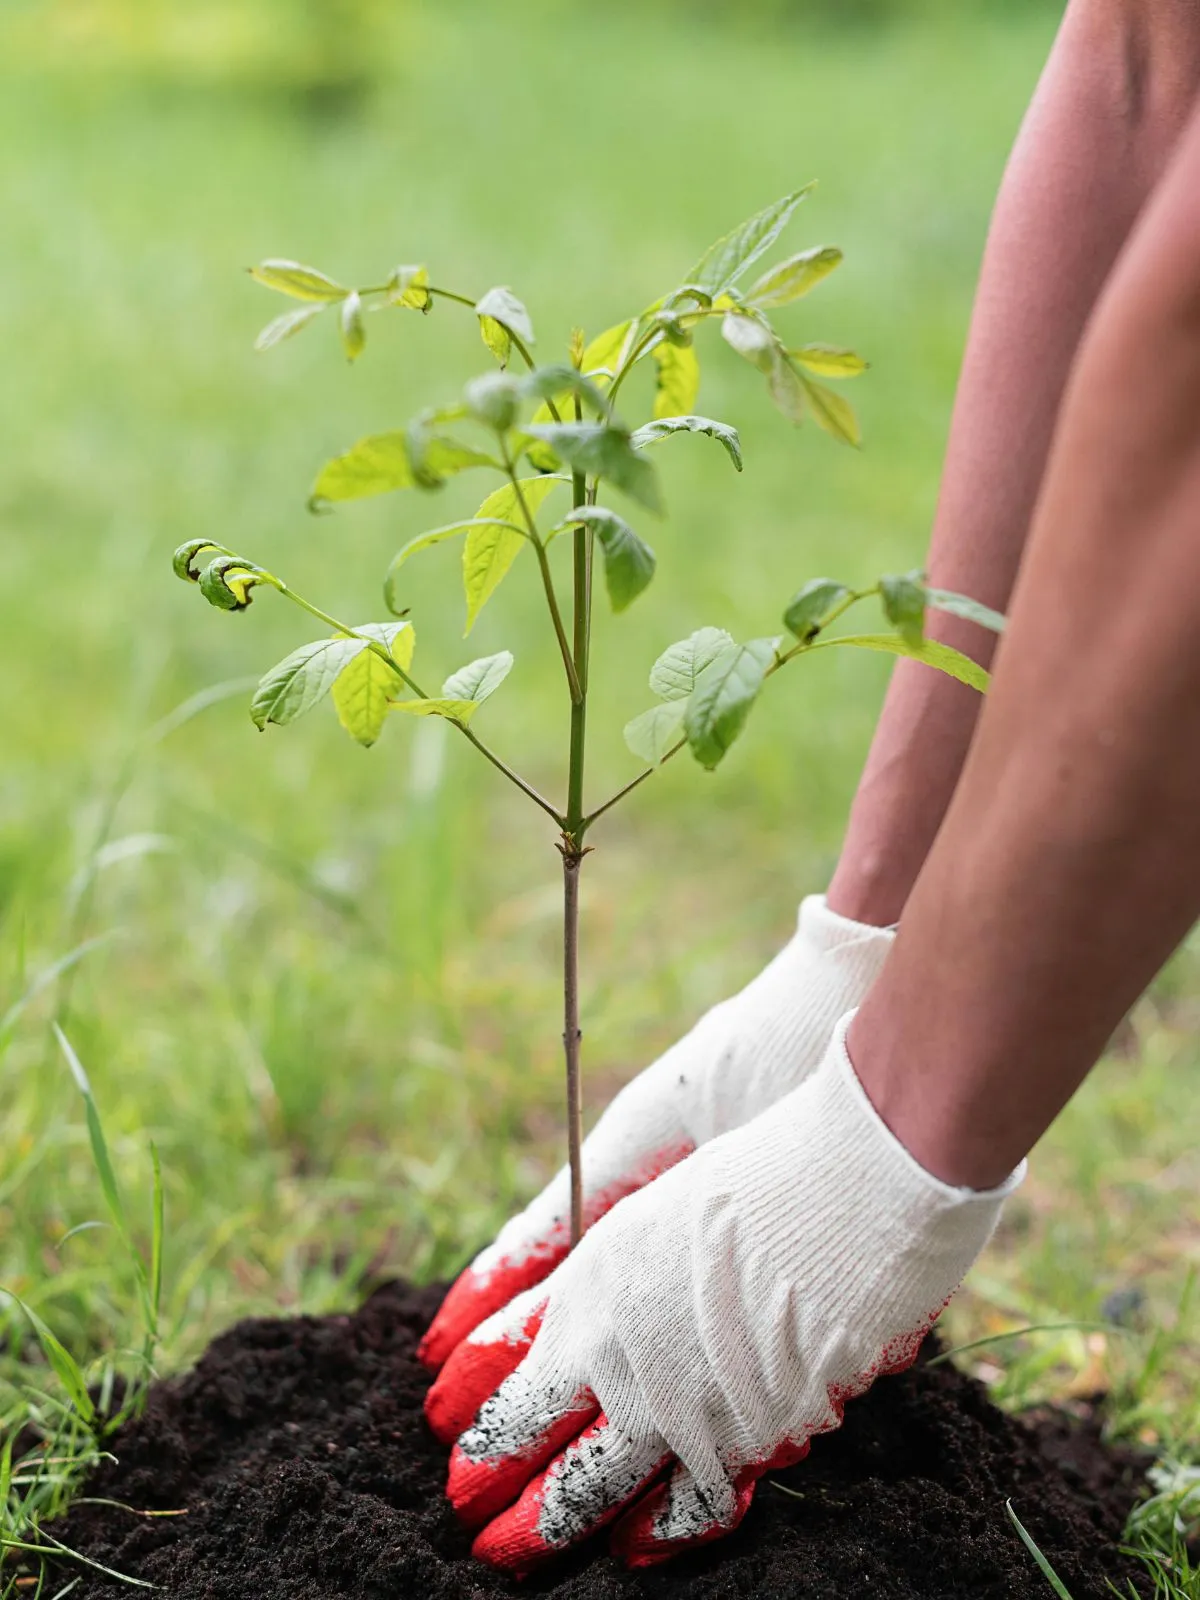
(678, 382)
(720, 703)
(961, 605)
(829, 360)
(832, 413)
(941, 656)
(656, 732)
(809, 607)
(432, 537)
(1044, 1567)
(459, 711)
(752, 337)
(560, 383)
(723, 263)
(793, 278)
(408, 286)
(295, 684)
(494, 541)
(501, 315)
(903, 597)
(384, 461)
(629, 563)
(285, 326)
(364, 687)
(494, 400)
(663, 427)
(479, 679)
(354, 333)
(59, 1359)
(606, 452)
(673, 676)
(302, 283)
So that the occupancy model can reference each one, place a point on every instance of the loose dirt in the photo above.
(298, 1450)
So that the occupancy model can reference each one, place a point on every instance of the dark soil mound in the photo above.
(299, 1452)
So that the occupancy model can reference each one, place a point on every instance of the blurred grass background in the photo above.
(327, 978)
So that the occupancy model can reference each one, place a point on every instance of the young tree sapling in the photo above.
(555, 429)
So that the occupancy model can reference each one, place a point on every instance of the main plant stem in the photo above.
(573, 853)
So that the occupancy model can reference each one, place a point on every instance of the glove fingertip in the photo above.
(475, 1370)
(474, 1296)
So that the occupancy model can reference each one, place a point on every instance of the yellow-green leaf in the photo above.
(678, 379)
(407, 286)
(829, 360)
(933, 654)
(460, 711)
(835, 415)
(363, 689)
(302, 283)
(793, 277)
(604, 352)
(494, 543)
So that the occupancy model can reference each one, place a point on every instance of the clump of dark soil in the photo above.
(299, 1452)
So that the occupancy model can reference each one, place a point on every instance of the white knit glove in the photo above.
(738, 1059)
(707, 1328)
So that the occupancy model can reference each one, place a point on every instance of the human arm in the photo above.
(1106, 114)
(1068, 867)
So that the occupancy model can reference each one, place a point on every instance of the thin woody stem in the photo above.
(572, 1037)
(560, 631)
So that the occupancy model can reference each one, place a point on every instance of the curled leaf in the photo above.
(226, 582)
(664, 427)
(183, 562)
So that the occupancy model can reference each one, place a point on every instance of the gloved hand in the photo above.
(706, 1329)
(738, 1059)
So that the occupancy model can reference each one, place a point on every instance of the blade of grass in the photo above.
(1017, 1333)
(1048, 1572)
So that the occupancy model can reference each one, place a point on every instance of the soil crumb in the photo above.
(298, 1450)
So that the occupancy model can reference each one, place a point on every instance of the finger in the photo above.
(677, 1514)
(582, 1490)
(533, 1244)
(517, 1431)
(479, 1365)
(486, 1287)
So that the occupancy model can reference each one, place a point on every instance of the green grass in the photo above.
(324, 981)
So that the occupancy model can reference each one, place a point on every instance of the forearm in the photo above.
(1106, 114)
(1069, 864)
